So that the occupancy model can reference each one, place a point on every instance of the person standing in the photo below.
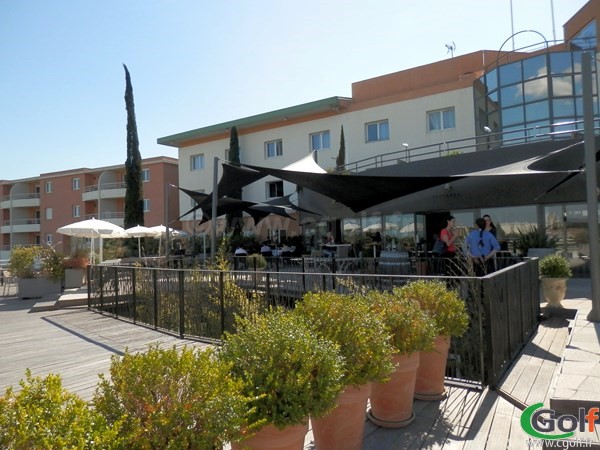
(448, 236)
(481, 246)
(489, 226)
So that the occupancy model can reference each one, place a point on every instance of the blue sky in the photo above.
(195, 63)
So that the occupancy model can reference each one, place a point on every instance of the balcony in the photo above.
(24, 200)
(118, 218)
(104, 191)
(21, 226)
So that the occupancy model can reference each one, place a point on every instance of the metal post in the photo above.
(213, 223)
(591, 182)
(167, 240)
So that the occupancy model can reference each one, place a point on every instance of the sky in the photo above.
(195, 63)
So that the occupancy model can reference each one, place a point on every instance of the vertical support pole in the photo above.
(155, 297)
(215, 199)
(133, 299)
(591, 182)
(181, 280)
(222, 300)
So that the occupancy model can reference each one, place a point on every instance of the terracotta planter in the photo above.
(392, 402)
(343, 428)
(432, 370)
(554, 290)
(272, 438)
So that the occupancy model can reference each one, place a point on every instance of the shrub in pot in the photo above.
(39, 270)
(413, 331)
(172, 398)
(360, 333)
(554, 271)
(290, 372)
(530, 242)
(44, 415)
(449, 313)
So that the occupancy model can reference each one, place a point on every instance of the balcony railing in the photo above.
(105, 186)
(106, 215)
(21, 196)
(16, 222)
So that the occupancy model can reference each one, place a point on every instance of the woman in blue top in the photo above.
(481, 246)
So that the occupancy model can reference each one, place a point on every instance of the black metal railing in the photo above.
(503, 306)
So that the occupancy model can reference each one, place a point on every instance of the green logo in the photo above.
(538, 426)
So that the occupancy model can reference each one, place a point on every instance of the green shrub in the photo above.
(290, 372)
(256, 260)
(45, 416)
(443, 305)
(531, 237)
(555, 266)
(412, 329)
(22, 260)
(349, 322)
(172, 399)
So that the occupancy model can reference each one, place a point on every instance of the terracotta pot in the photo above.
(343, 428)
(272, 438)
(432, 370)
(392, 402)
(555, 290)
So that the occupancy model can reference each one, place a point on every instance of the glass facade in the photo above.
(534, 96)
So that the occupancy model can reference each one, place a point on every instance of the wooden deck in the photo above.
(78, 345)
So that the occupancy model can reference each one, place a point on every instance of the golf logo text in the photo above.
(543, 423)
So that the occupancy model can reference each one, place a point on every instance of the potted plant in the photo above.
(289, 372)
(360, 334)
(450, 315)
(554, 272)
(256, 261)
(172, 398)
(412, 331)
(38, 270)
(75, 269)
(533, 242)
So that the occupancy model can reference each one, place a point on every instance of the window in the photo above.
(48, 187)
(146, 205)
(197, 162)
(442, 119)
(48, 213)
(49, 239)
(275, 189)
(273, 149)
(377, 131)
(76, 211)
(320, 141)
(75, 184)
(145, 175)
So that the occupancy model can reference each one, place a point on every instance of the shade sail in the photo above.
(357, 192)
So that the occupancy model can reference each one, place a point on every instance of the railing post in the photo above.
(101, 282)
(134, 300)
(268, 286)
(486, 344)
(181, 278)
(222, 300)
(155, 297)
(116, 307)
(303, 274)
(89, 285)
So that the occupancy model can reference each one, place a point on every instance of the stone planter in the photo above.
(554, 290)
(74, 278)
(37, 287)
(540, 252)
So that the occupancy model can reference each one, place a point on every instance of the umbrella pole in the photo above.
(139, 248)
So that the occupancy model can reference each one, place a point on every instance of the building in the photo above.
(33, 208)
(486, 100)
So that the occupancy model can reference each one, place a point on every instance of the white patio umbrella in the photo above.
(161, 230)
(93, 228)
(139, 232)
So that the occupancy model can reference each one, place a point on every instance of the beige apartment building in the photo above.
(32, 209)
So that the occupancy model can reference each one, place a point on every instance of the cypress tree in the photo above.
(134, 203)
(234, 219)
(341, 157)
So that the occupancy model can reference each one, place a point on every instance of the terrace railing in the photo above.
(503, 306)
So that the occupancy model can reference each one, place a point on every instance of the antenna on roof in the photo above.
(451, 48)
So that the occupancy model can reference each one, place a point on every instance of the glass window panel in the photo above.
(562, 86)
(511, 116)
(325, 140)
(493, 96)
(510, 73)
(448, 116)
(537, 111)
(371, 132)
(535, 89)
(315, 142)
(384, 131)
(577, 62)
(435, 120)
(563, 107)
(579, 107)
(577, 87)
(560, 63)
(534, 67)
(538, 128)
(511, 95)
(491, 80)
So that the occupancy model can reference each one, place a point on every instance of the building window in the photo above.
(75, 184)
(273, 149)
(146, 205)
(320, 141)
(49, 239)
(48, 213)
(197, 162)
(76, 211)
(442, 119)
(145, 175)
(377, 131)
(275, 189)
(48, 187)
